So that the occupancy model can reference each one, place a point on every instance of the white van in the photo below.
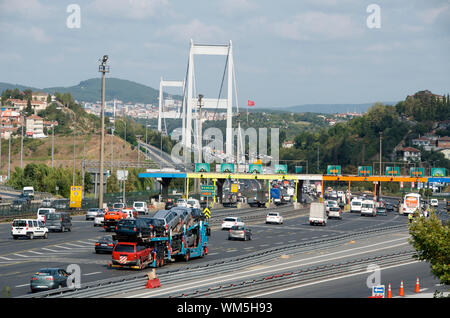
(29, 191)
(28, 228)
(140, 207)
(42, 211)
(355, 205)
(434, 202)
(193, 203)
(368, 208)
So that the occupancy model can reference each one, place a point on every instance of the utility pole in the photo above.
(73, 172)
(9, 157)
(102, 69)
(21, 143)
(53, 141)
(318, 169)
(199, 127)
(381, 138)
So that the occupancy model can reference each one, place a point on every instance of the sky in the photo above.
(286, 52)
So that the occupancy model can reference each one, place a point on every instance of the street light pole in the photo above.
(53, 141)
(21, 144)
(102, 69)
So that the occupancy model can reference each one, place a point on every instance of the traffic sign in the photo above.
(392, 171)
(378, 291)
(76, 196)
(364, 171)
(207, 213)
(334, 170)
(234, 188)
(208, 191)
(417, 172)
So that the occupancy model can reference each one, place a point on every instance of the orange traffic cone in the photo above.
(417, 290)
(402, 292)
(389, 293)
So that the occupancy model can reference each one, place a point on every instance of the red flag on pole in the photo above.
(251, 103)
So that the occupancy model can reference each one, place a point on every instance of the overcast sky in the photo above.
(285, 52)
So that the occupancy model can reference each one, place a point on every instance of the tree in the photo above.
(430, 237)
(29, 109)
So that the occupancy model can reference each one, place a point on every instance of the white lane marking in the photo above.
(94, 273)
(20, 255)
(278, 267)
(5, 258)
(23, 285)
(34, 252)
(71, 244)
(327, 280)
(49, 249)
(64, 247)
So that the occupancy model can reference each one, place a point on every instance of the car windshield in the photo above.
(230, 220)
(237, 228)
(45, 272)
(117, 205)
(123, 248)
(106, 238)
(273, 214)
(334, 209)
(356, 203)
(93, 210)
(191, 202)
(139, 205)
(381, 209)
(43, 211)
(367, 205)
(127, 223)
(53, 216)
(154, 222)
(181, 201)
(18, 223)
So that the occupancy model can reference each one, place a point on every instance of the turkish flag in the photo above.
(251, 103)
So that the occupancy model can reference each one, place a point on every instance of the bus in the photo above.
(411, 203)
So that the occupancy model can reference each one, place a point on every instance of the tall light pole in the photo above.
(53, 141)
(381, 138)
(21, 143)
(73, 172)
(102, 69)
(199, 127)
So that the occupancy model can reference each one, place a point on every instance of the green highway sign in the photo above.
(255, 168)
(207, 191)
(364, 171)
(334, 170)
(281, 169)
(227, 168)
(438, 172)
(202, 167)
(298, 169)
(417, 172)
(392, 171)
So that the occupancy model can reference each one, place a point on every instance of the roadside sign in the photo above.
(227, 168)
(254, 168)
(76, 196)
(334, 170)
(417, 172)
(392, 171)
(207, 213)
(281, 169)
(208, 191)
(234, 188)
(364, 171)
(378, 291)
(438, 172)
(202, 167)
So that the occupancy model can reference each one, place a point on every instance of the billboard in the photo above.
(76, 196)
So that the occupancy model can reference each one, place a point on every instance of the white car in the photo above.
(140, 207)
(193, 203)
(368, 208)
(182, 203)
(274, 217)
(355, 205)
(28, 228)
(335, 212)
(98, 220)
(228, 222)
(41, 213)
(92, 213)
(434, 202)
(331, 203)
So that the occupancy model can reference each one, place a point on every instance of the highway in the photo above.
(20, 259)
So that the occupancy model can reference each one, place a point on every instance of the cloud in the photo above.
(131, 9)
(430, 15)
(27, 8)
(314, 25)
(196, 30)
(234, 7)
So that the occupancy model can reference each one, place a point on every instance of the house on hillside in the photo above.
(443, 142)
(411, 154)
(35, 127)
(288, 144)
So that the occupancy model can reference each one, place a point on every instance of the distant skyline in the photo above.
(286, 53)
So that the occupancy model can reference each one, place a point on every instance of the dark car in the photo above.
(61, 204)
(183, 213)
(58, 221)
(48, 278)
(21, 203)
(25, 196)
(105, 244)
(381, 210)
(239, 232)
(389, 207)
(134, 228)
(169, 205)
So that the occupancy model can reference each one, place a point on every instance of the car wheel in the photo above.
(63, 229)
(46, 235)
(15, 237)
(31, 236)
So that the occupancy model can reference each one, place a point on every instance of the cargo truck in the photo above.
(317, 214)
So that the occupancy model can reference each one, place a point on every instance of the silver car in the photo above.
(92, 213)
(239, 232)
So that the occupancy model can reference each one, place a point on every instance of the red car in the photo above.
(131, 254)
